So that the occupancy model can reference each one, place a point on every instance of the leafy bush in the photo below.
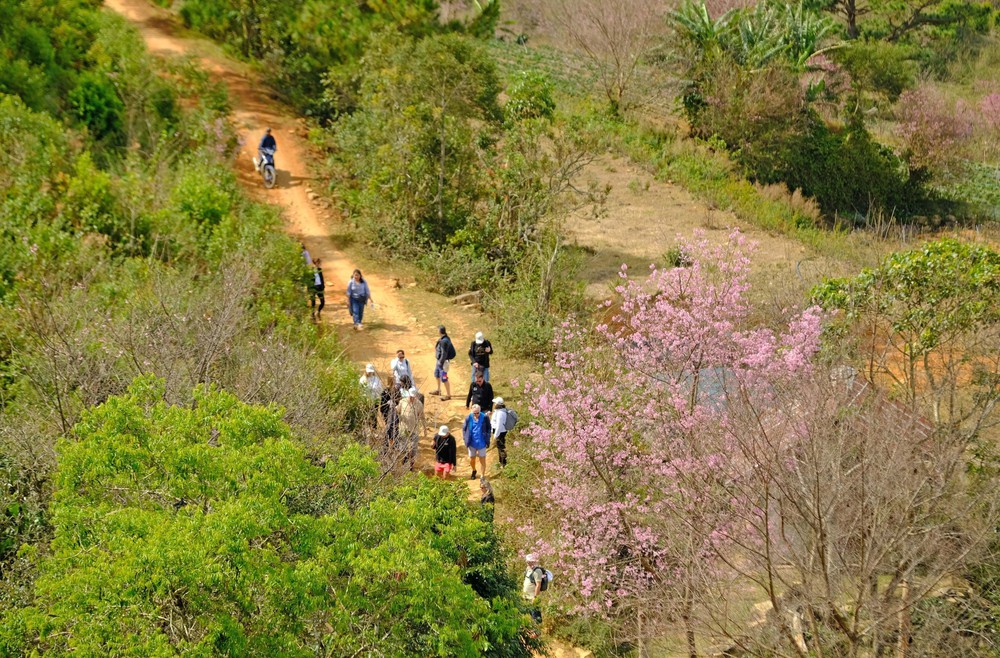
(96, 104)
(211, 516)
(529, 96)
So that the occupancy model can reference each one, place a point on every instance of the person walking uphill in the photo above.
(444, 352)
(476, 433)
(358, 294)
(317, 290)
(479, 356)
(445, 450)
(498, 421)
(534, 581)
(480, 393)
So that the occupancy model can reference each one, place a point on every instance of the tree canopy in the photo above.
(207, 530)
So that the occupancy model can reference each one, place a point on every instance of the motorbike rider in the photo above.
(268, 143)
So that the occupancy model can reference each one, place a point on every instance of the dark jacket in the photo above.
(441, 349)
(321, 286)
(267, 142)
(479, 354)
(481, 395)
(444, 449)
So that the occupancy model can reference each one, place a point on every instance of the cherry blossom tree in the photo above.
(631, 434)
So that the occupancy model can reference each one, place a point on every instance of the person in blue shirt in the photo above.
(358, 294)
(267, 142)
(476, 434)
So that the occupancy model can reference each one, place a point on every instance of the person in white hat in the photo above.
(373, 388)
(445, 452)
(479, 356)
(534, 580)
(371, 383)
(411, 420)
(498, 422)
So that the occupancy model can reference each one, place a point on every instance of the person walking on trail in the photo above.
(444, 352)
(407, 383)
(372, 386)
(305, 253)
(411, 421)
(358, 294)
(534, 579)
(479, 356)
(401, 370)
(476, 434)
(317, 290)
(498, 421)
(387, 407)
(445, 452)
(267, 143)
(480, 393)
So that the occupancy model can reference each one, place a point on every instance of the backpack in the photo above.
(511, 420)
(449, 350)
(546, 579)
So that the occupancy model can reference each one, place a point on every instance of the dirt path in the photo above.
(404, 318)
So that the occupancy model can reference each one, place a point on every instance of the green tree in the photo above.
(427, 109)
(205, 530)
(926, 324)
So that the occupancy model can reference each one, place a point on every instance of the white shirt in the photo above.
(498, 419)
(400, 368)
(373, 386)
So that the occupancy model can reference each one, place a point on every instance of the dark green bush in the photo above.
(845, 171)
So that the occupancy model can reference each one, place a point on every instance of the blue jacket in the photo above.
(476, 433)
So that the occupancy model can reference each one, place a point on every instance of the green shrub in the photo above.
(95, 103)
(877, 67)
(529, 96)
(258, 550)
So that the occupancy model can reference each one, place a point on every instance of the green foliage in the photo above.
(427, 108)
(529, 96)
(212, 518)
(929, 295)
(96, 104)
(878, 68)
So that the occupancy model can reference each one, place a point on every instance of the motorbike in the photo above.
(265, 165)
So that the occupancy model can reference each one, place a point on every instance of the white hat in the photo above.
(497, 400)
(370, 368)
(479, 338)
(531, 558)
(413, 392)
(443, 431)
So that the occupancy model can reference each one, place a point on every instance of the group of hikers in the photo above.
(400, 405)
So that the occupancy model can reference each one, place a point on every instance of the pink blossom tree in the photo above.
(631, 433)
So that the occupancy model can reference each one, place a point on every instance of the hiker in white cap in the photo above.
(445, 452)
(411, 420)
(479, 356)
(371, 383)
(372, 386)
(535, 580)
(498, 422)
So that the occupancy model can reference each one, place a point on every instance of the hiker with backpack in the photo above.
(536, 581)
(444, 352)
(502, 421)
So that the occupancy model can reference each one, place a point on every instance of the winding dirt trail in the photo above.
(404, 318)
